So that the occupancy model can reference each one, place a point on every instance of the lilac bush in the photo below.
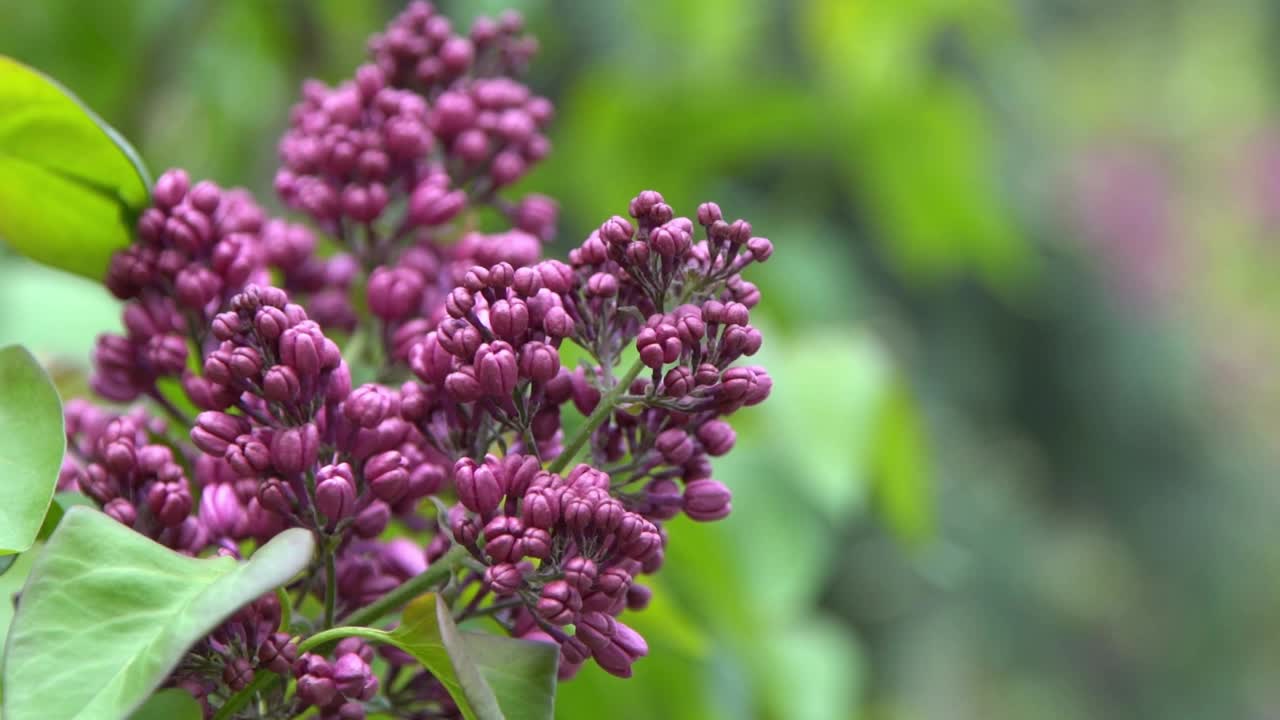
(394, 380)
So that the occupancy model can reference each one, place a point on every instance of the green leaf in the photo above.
(11, 584)
(488, 676)
(62, 502)
(171, 704)
(900, 467)
(522, 674)
(427, 632)
(106, 614)
(70, 186)
(31, 445)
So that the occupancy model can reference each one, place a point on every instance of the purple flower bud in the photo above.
(387, 475)
(539, 362)
(170, 188)
(479, 489)
(556, 276)
(166, 354)
(577, 511)
(501, 536)
(237, 674)
(613, 581)
(496, 369)
(370, 404)
(607, 515)
(717, 437)
(541, 508)
(559, 602)
(351, 673)
(669, 240)
(214, 431)
(122, 511)
(760, 248)
(675, 445)
(452, 113)
(281, 384)
(304, 348)
(278, 652)
(557, 323)
(432, 205)
(580, 572)
(617, 230)
(371, 521)
(170, 502)
(318, 691)
(509, 319)
(506, 168)
(706, 500)
(335, 492)
(463, 385)
(503, 578)
(638, 597)
(221, 512)
(708, 213)
(277, 496)
(295, 449)
(735, 313)
(534, 543)
(395, 293)
(707, 374)
(249, 457)
(339, 386)
(602, 285)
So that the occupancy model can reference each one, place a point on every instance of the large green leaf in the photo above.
(106, 614)
(31, 446)
(70, 186)
(488, 676)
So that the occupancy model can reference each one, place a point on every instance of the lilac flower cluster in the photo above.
(197, 246)
(342, 373)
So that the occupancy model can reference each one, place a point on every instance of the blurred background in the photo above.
(1019, 459)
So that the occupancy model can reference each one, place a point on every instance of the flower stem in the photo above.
(597, 416)
(338, 633)
(330, 584)
(409, 589)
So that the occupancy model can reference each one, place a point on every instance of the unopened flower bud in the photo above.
(706, 500)
(295, 449)
(503, 578)
(387, 475)
(559, 602)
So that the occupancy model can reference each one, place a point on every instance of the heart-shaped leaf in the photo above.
(106, 614)
(70, 186)
(31, 445)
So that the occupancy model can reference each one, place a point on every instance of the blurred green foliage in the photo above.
(1019, 322)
